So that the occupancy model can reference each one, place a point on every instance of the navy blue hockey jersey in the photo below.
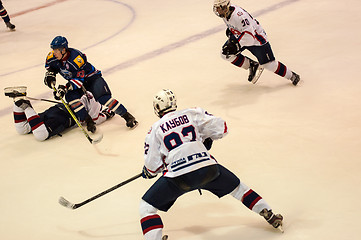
(75, 68)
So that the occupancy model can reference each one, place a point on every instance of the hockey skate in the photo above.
(130, 120)
(23, 103)
(16, 93)
(255, 71)
(295, 78)
(10, 26)
(271, 218)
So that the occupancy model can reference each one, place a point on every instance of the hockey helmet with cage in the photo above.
(221, 7)
(164, 101)
(59, 42)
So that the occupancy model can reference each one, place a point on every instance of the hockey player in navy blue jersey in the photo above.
(245, 32)
(177, 146)
(4, 15)
(54, 120)
(72, 65)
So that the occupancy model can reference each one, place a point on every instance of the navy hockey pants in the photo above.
(165, 191)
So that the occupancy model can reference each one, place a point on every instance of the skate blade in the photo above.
(280, 228)
(257, 75)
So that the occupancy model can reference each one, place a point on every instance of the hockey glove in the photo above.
(50, 79)
(208, 143)
(228, 32)
(146, 174)
(231, 47)
(90, 124)
(60, 93)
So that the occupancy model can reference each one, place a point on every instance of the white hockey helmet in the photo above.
(164, 101)
(221, 7)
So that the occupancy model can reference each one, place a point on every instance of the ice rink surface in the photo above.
(298, 147)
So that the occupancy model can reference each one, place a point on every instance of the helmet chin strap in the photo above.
(62, 55)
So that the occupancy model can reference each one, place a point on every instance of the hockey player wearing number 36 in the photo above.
(178, 145)
(72, 65)
(245, 32)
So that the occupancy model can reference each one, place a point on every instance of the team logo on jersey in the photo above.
(79, 61)
(66, 74)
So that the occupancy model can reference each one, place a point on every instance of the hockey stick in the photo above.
(13, 92)
(92, 141)
(42, 99)
(70, 205)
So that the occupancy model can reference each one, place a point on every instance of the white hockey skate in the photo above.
(274, 219)
(16, 93)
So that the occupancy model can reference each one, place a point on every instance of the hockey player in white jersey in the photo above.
(245, 32)
(177, 146)
(54, 120)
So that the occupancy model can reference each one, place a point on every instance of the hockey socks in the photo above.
(21, 122)
(4, 15)
(249, 198)
(115, 106)
(37, 125)
(152, 227)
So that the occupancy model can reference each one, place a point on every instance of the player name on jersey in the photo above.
(175, 122)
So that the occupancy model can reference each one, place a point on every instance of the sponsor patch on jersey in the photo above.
(50, 55)
(79, 61)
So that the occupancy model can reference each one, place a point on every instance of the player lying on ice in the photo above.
(53, 120)
(178, 145)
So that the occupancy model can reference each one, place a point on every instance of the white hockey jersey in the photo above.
(174, 144)
(245, 28)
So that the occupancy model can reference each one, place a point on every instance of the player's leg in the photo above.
(4, 15)
(21, 122)
(267, 60)
(25, 118)
(228, 183)
(151, 223)
(160, 196)
(99, 88)
(73, 98)
(35, 123)
(241, 61)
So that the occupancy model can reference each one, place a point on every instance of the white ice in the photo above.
(298, 147)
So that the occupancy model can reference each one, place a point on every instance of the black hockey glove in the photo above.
(228, 32)
(146, 174)
(50, 79)
(90, 124)
(60, 93)
(208, 143)
(231, 47)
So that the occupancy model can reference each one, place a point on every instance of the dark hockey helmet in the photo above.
(59, 42)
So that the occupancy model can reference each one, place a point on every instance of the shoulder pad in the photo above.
(79, 61)
(50, 55)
